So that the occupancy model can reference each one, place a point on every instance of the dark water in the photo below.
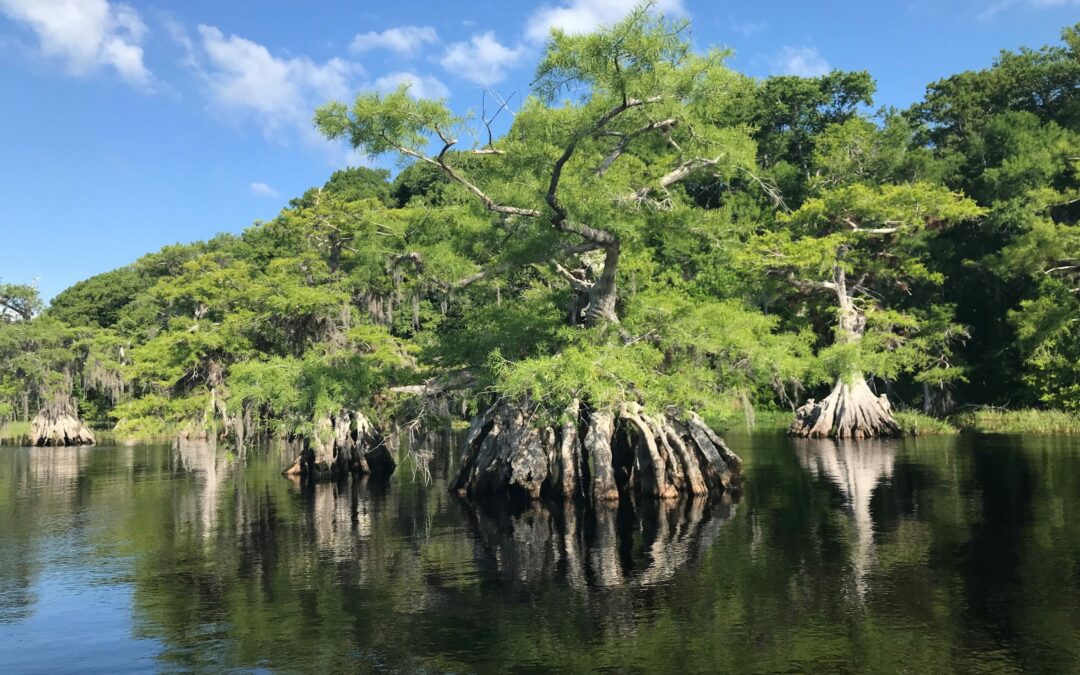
(927, 555)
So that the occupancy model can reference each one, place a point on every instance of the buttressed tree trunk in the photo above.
(851, 410)
(344, 443)
(58, 423)
(599, 454)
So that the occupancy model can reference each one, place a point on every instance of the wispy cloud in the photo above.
(801, 61)
(483, 59)
(246, 83)
(403, 40)
(86, 35)
(420, 86)
(243, 78)
(263, 190)
(585, 16)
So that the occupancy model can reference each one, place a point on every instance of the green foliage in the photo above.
(100, 300)
(917, 424)
(789, 115)
(1007, 136)
(18, 302)
(739, 209)
(1027, 421)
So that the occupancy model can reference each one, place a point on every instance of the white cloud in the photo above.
(420, 86)
(243, 77)
(801, 61)
(263, 190)
(585, 16)
(245, 82)
(86, 34)
(482, 59)
(405, 40)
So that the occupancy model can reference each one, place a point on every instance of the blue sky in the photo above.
(130, 126)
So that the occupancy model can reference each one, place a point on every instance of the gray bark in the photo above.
(668, 453)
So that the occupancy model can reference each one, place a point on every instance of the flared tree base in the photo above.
(344, 443)
(849, 411)
(597, 454)
(51, 428)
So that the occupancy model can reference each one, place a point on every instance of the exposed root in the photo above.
(849, 411)
(51, 427)
(598, 454)
(344, 443)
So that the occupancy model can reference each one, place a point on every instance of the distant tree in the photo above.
(99, 300)
(19, 302)
(1007, 136)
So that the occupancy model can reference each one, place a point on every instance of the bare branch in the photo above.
(440, 162)
(812, 284)
(577, 284)
(674, 176)
(1061, 268)
(669, 123)
(490, 148)
(855, 227)
(437, 386)
(772, 191)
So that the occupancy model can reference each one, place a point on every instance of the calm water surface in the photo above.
(922, 555)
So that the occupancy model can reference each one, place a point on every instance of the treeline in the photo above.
(654, 229)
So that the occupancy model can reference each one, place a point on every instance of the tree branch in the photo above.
(855, 227)
(440, 162)
(771, 190)
(669, 123)
(560, 220)
(436, 386)
(674, 176)
(577, 284)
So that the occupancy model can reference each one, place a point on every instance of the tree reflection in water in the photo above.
(856, 468)
(205, 460)
(634, 543)
(950, 555)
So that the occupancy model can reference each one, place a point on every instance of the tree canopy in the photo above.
(652, 228)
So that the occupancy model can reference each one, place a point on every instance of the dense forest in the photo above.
(650, 247)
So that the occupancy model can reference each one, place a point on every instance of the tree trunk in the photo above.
(59, 424)
(506, 452)
(602, 294)
(851, 410)
(344, 443)
(596, 292)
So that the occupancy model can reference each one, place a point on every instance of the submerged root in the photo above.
(849, 411)
(59, 428)
(595, 453)
(344, 443)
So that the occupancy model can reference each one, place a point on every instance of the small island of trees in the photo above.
(652, 247)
